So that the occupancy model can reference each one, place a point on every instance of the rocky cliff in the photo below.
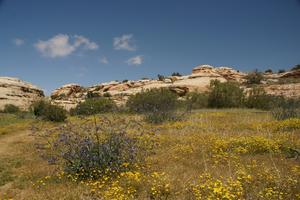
(22, 94)
(17, 92)
(70, 95)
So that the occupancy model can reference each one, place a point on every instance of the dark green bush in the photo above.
(153, 100)
(106, 94)
(269, 71)
(10, 108)
(254, 77)
(94, 106)
(158, 104)
(296, 67)
(225, 95)
(259, 99)
(160, 77)
(196, 100)
(47, 111)
(176, 74)
(281, 71)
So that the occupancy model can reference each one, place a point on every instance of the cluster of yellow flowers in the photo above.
(245, 144)
(284, 125)
(211, 188)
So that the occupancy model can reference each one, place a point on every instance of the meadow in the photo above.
(208, 154)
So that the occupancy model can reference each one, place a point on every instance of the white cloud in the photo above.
(80, 40)
(18, 41)
(125, 42)
(104, 60)
(61, 45)
(137, 60)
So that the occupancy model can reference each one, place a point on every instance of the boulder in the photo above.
(19, 93)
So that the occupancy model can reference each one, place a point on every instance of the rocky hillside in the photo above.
(22, 94)
(70, 95)
(17, 92)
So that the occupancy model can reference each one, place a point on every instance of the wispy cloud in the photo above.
(137, 60)
(124, 42)
(18, 41)
(62, 45)
(104, 60)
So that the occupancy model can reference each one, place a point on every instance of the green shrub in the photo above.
(94, 106)
(47, 111)
(153, 100)
(38, 108)
(281, 71)
(225, 95)
(269, 71)
(286, 108)
(296, 67)
(176, 74)
(10, 108)
(158, 104)
(106, 94)
(254, 77)
(161, 77)
(196, 100)
(259, 99)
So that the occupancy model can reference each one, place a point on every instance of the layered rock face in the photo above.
(17, 92)
(70, 95)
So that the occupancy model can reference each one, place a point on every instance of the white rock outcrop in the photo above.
(19, 93)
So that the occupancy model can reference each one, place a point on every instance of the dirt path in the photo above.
(9, 142)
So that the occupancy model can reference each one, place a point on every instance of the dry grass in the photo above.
(211, 154)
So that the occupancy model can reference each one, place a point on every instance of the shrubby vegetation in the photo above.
(269, 71)
(286, 108)
(196, 100)
(254, 77)
(47, 111)
(160, 77)
(225, 95)
(176, 74)
(94, 106)
(96, 148)
(296, 67)
(157, 105)
(10, 108)
(259, 99)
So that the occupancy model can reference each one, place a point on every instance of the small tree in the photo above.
(158, 104)
(195, 100)
(296, 67)
(161, 77)
(10, 108)
(254, 77)
(225, 95)
(259, 99)
(94, 106)
(47, 111)
(176, 74)
(269, 71)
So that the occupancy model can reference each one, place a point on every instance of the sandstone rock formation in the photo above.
(70, 95)
(287, 90)
(17, 92)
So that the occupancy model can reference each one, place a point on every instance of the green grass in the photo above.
(216, 153)
(10, 123)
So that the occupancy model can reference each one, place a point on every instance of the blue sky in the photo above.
(54, 42)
